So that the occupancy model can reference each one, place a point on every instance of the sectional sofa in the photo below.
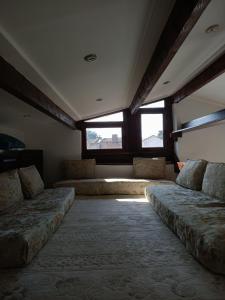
(194, 209)
(29, 214)
(80, 174)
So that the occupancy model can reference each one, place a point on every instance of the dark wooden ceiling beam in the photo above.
(200, 122)
(16, 84)
(208, 74)
(182, 19)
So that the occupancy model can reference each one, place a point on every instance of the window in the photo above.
(104, 138)
(119, 137)
(117, 117)
(157, 104)
(152, 130)
(103, 134)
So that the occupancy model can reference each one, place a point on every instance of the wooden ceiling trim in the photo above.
(182, 19)
(16, 84)
(208, 74)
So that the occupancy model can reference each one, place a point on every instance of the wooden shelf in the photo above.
(200, 122)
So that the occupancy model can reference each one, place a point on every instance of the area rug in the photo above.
(112, 249)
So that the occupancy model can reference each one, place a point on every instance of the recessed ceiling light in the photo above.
(166, 82)
(212, 28)
(99, 100)
(90, 57)
(27, 116)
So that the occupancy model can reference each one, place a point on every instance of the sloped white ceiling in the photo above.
(52, 37)
(46, 41)
(213, 92)
(197, 51)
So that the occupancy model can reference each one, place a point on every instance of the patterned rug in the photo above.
(114, 249)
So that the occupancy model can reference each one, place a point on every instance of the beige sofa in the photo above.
(195, 211)
(110, 186)
(89, 185)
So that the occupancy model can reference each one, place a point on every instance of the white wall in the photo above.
(207, 143)
(38, 131)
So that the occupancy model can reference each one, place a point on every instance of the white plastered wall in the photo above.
(207, 143)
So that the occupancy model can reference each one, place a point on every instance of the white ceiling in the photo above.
(47, 44)
(213, 91)
(196, 52)
(53, 39)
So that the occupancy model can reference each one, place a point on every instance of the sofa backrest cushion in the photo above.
(79, 169)
(31, 181)
(149, 168)
(10, 190)
(214, 180)
(191, 175)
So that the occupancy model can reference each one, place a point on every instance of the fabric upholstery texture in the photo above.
(31, 181)
(10, 190)
(110, 186)
(79, 169)
(25, 229)
(197, 219)
(214, 180)
(191, 175)
(149, 168)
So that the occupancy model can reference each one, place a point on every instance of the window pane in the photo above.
(117, 117)
(158, 104)
(152, 130)
(104, 138)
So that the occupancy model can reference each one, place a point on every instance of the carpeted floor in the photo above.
(112, 250)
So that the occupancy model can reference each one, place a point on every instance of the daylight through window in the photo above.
(152, 130)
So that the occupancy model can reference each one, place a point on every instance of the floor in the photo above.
(112, 249)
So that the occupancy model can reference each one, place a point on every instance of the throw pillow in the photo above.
(149, 168)
(191, 175)
(31, 181)
(10, 189)
(214, 180)
(79, 169)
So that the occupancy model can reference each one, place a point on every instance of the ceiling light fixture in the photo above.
(27, 116)
(166, 82)
(90, 57)
(99, 100)
(212, 28)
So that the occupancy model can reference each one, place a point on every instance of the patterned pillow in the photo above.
(79, 169)
(214, 180)
(150, 168)
(10, 189)
(191, 175)
(31, 181)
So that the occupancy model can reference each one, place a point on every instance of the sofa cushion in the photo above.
(24, 230)
(10, 190)
(214, 180)
(196, 218)
(79, 169)
(150, 168)
(110, 186)
(31, 181)
(191, 175)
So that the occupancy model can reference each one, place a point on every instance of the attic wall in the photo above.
(57, 141)
(207, 143)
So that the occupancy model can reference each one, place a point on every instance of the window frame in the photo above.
(131, 137)
(152, 111)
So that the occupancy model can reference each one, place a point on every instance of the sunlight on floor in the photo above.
(132, 200)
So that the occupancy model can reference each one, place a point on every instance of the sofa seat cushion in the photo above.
(32, 183)
(79, 168)
(110, 186)
(191, 175)
(214, 180)
(197, 219)
(149, 168)
(25, 229)
(10, 190)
